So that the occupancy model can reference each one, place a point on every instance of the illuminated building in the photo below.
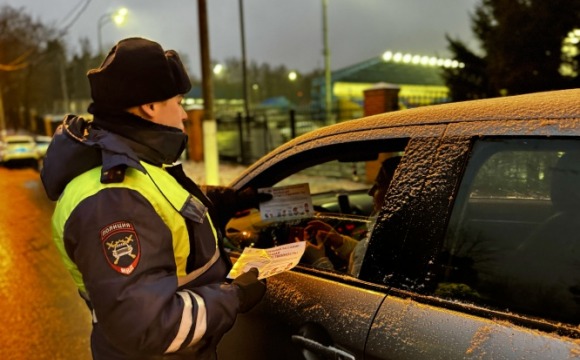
(418, 77)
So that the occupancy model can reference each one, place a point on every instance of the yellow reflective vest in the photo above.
(145, 252)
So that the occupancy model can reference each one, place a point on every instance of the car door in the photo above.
(479, 273)
(316, 313)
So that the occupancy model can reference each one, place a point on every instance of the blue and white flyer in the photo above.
(288, 202)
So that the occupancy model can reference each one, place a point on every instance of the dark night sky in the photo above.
(277, 31)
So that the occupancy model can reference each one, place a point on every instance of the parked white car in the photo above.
(19, 149)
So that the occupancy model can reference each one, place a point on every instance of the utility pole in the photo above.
(246, 147)
(326, 52)
(210, 149)
(244, 72)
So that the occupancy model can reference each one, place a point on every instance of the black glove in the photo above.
(250, 198)
(227, 200)
(252, 290)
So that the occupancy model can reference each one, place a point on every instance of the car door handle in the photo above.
(328, 352)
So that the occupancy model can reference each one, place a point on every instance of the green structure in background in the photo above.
(418, 77)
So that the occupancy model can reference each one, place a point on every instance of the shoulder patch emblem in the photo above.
(121, 246)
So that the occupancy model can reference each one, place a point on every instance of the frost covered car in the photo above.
(474, 253)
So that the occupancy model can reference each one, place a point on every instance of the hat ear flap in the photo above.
(178, 71)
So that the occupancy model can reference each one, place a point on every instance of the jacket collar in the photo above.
(80, 145)
(151, 142)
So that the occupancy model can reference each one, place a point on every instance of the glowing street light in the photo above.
(292, 75)
(218, 69)
(118, 17)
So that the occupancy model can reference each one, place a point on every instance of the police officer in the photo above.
(140, 239)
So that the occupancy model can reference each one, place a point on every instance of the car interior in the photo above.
(339, 190)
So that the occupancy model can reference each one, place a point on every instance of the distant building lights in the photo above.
(570, 51)
(423, 60)
(573, 37)
(387, 55)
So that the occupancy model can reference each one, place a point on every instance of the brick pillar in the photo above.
(193, 128)
(381, 98)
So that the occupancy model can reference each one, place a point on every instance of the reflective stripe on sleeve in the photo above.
(185, 325)
(201, 321)
(187, 321)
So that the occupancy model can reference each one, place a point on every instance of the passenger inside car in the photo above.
(322, 237)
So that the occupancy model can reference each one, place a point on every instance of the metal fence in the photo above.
(244, 139)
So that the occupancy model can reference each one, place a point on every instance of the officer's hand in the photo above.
(252, 290)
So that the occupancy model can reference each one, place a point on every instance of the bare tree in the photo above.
(23, 42)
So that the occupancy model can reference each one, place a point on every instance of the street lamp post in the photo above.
(118, 17)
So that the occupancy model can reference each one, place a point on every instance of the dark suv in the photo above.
(475, 252)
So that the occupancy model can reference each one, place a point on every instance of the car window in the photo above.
(512, 241)
(336, 231)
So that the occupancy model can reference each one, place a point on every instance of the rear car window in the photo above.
(513, 241)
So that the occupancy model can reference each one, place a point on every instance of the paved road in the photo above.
(41, 315)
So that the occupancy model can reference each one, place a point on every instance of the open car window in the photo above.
(337, 229)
